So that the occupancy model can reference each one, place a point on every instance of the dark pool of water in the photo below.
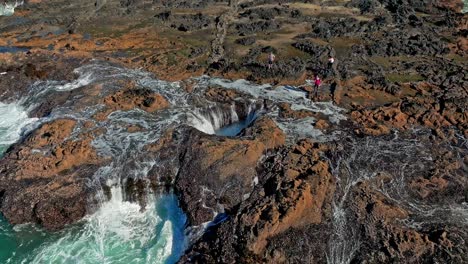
(234, 129)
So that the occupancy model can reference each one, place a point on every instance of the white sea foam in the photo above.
(201, 123)
(297, 98)
(14, 121)
(81, 81)
(8, 8)
(120, 232)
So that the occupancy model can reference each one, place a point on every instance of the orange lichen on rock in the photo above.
(44, 177)
(267, 132)
(425, 187)
(130, 98)
(300, 195)
(63, 153)
(240, 156)
(322, 124)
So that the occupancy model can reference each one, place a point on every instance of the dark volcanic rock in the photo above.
(313, 49)
(264, 13)
(407, 44)
(19, 76)
(259, 26)
(191, 22)
(291, 206)
(291, 196)
(400, 64)
(128, 99)
(338, 27)
(247, 41)
(215, 163)
(292, 68)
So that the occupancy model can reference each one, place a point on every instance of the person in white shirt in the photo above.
(271, 60)
(331, 60)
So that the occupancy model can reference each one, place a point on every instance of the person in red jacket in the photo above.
(317, 83)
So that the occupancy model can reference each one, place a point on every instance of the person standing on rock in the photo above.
(330, 64)
(317, 83)
(331, 60)
(271, 60)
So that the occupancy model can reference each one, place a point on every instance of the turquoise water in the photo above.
(117, 233)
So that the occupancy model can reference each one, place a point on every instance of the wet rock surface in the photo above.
(389, 187)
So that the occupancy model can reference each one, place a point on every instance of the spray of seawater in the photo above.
(14, 123)
(120, 232)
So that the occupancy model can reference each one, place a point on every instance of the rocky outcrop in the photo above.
(422, 109)
(43, 179)
(259, 26)
(387, 240)
(186, 22)
(293, 196)
(378, 217)
(294, 203)
(225, 96)
(224, 170)
(410, 44)
(131, 98)
(452, 5)
(18, 75)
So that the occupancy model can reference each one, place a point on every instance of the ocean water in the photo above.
(235, 128)
(117, 233)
